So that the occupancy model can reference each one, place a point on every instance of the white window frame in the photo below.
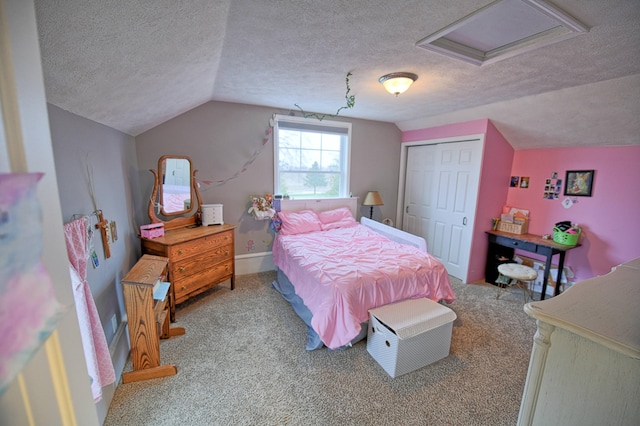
(321, 125)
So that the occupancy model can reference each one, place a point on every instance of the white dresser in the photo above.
(585, 363)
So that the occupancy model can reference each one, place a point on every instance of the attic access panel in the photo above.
(503, 29)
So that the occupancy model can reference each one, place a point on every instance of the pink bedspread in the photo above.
(342, 273)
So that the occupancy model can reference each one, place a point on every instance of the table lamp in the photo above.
(372, 199)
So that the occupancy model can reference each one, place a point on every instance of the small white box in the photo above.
(212, 214)
(408, 335)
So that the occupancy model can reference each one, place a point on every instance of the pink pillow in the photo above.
(299, 222)
(345, 223)
(335, 215)
(338, 218)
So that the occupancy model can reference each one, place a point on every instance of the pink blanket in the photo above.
(342, 273)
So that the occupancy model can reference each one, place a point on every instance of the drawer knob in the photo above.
(184, 287)
(226, 267)
(226, 253)
(181, 269)
(180, 251)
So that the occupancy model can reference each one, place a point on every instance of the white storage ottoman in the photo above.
(408, 335)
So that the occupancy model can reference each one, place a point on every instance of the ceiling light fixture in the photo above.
(397, 82)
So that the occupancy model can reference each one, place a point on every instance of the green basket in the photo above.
(565, 238)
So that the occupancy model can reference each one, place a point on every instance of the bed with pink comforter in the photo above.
(343, 271)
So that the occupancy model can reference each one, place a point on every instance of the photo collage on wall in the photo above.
(552, 187)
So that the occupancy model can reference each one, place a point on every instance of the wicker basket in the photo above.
(520, 227)
(565, 238)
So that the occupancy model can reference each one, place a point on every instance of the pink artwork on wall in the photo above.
(29, 310)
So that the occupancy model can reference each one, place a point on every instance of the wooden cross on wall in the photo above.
(102, 225)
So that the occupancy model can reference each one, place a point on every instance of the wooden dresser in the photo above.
(199, 258)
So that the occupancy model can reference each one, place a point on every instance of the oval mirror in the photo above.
(175, 192)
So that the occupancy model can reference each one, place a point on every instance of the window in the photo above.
(311, 157)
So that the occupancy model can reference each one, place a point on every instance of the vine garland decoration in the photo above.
(351, 101)
(245, 166)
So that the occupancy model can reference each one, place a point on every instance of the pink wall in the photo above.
(608, 218)
(496, 166)
(611, 234)
(450, 130)
(492, 192)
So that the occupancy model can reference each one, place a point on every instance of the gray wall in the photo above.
(221, 137)
(111, 155)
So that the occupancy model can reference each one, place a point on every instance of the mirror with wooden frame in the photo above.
(175, 200)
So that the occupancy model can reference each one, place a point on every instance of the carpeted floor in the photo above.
(243, 362)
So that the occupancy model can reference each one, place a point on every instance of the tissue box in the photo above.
(408, 335)
(153, 230)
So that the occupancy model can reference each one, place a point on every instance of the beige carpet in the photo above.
(243, 362)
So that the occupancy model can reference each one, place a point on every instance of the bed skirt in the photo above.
(286, 289)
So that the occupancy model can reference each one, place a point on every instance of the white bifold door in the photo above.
(440, 196)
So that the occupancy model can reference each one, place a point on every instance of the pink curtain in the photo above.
(96, 350)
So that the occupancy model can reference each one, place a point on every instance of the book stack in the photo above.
(160, 290)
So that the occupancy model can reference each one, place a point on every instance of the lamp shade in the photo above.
(372, 199)
(397, 82)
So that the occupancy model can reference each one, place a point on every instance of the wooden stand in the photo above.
(148, 319)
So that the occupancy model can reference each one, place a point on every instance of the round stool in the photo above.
(514, 274)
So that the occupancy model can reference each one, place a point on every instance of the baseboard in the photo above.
(119, 348)
(119, 352)
(254, 263)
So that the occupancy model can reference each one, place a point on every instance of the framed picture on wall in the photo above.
(578, 183)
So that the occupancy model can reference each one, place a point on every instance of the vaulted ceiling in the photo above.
(133, 64)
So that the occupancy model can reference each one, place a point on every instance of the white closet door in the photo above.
(441, 191)
(421, 163)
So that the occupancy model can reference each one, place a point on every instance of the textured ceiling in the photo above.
(132, 65)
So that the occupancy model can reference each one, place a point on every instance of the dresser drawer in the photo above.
(184, 250)
(199, 258)
(183, 287)
(516, 244)
(197, 263)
